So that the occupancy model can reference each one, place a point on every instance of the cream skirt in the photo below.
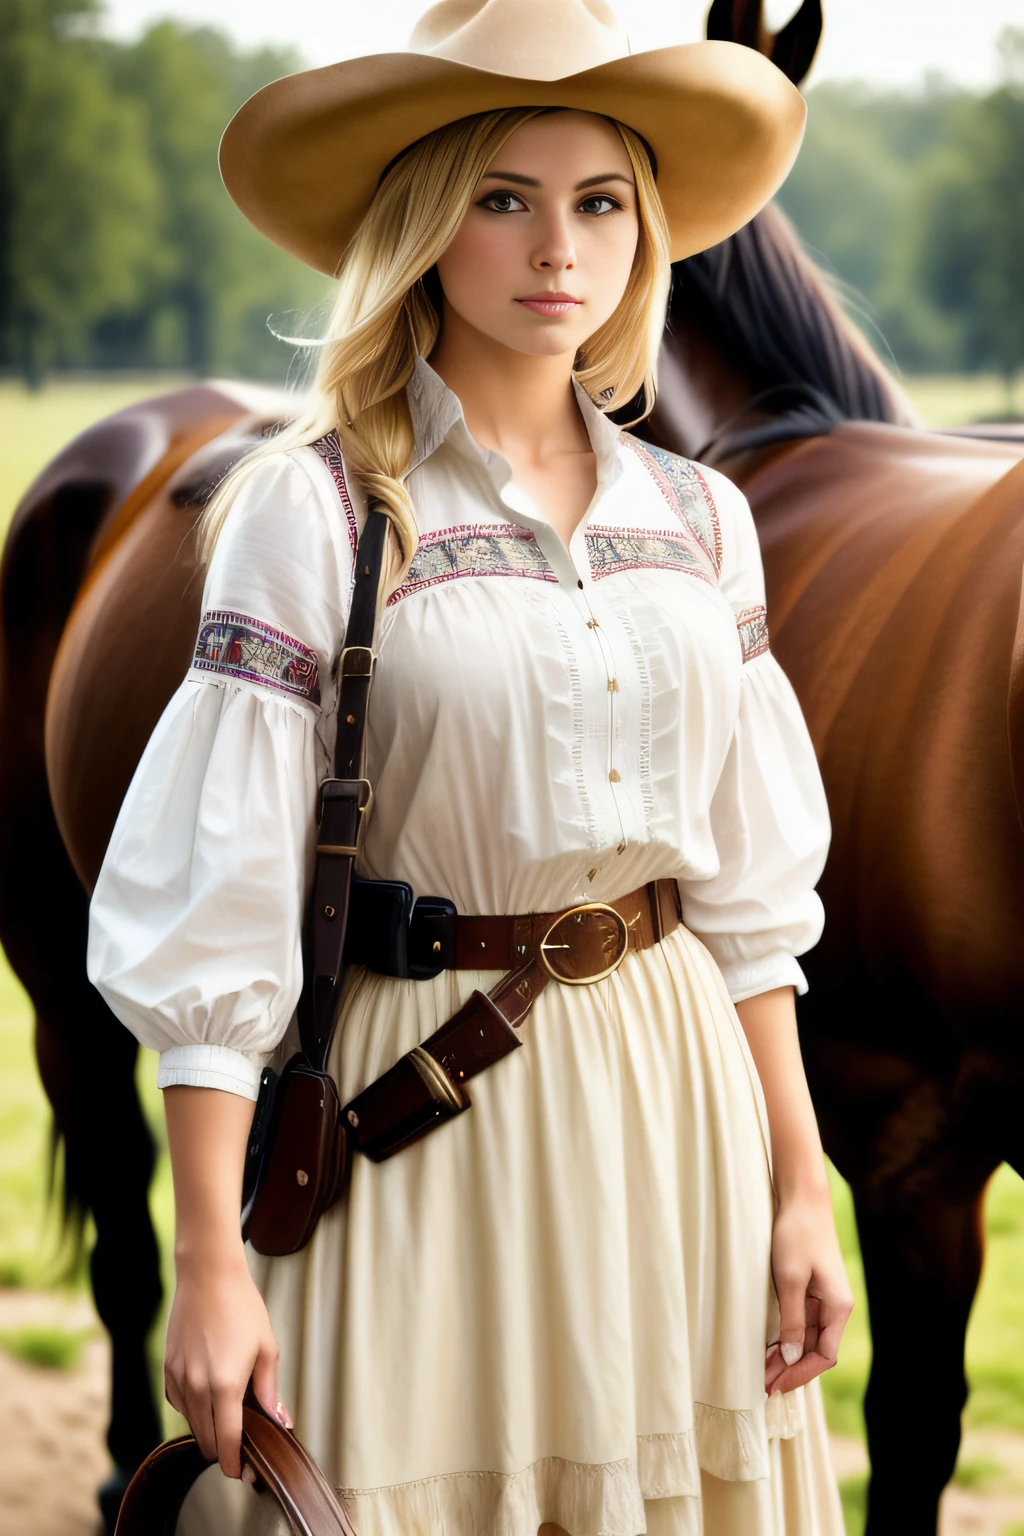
(555, 1308)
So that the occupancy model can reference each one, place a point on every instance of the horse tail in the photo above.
(44, 559)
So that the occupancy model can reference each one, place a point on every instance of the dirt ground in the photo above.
(53, 1458)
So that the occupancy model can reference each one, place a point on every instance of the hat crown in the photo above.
(528, 39)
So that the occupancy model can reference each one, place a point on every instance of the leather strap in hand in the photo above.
(284, 1473)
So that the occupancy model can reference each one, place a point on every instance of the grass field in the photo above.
(32, 428)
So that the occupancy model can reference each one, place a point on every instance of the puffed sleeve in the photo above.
(194, 932)
(768, 817)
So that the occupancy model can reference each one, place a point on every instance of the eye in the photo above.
(598, 203)
(501, 202)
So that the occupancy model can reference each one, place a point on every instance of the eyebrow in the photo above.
(531, 181)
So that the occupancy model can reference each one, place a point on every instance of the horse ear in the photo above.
(792, 49)
(795, 46)
(737, 21)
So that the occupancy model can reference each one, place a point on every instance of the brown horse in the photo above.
(893, 559)
(104, 531)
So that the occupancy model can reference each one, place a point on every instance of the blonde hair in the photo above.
(383, 317)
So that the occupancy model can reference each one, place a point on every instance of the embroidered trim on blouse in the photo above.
(483, 549)
(617, 549)
(752, 624)
(329, 449)
(687, 493)
(238, 646)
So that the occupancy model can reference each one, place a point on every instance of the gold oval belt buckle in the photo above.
(585, 944)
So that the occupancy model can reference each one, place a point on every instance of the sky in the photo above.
(887, 42)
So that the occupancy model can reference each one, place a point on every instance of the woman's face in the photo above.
(543, 255)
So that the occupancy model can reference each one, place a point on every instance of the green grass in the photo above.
(55, 1348)
(977, 1471)
(955, 400)
(853, 1491)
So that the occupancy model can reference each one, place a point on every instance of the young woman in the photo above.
(563, 1310)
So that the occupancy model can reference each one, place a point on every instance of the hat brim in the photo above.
(303, 157)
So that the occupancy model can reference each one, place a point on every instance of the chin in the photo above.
(547, 343)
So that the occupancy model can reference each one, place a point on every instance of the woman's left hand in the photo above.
(814, 1294)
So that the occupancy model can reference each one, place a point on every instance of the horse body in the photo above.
(67, 662)
(894, 605)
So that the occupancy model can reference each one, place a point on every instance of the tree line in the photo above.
(120, 249)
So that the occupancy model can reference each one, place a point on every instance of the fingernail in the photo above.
(791, 1353)
(283, 1416)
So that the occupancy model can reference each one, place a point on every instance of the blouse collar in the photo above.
(437, 416)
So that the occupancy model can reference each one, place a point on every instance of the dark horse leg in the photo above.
(922, 1263)
(86, 1058)
(912, 1120)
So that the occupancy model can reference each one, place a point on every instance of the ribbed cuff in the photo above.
(746, 978)
(209, 1066)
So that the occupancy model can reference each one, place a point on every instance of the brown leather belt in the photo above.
(577, 946)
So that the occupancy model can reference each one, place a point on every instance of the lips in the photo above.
(553, 304)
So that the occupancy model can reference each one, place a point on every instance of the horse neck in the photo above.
(700, 392)
(759, 354)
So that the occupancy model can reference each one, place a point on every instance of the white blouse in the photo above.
(547, 725)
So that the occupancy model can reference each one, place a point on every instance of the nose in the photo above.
(554, 250)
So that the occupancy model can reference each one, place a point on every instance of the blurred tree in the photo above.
(970, 236)
(851, 195)
(220, 279)
(78, 195)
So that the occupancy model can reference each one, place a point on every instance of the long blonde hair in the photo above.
(383, 316)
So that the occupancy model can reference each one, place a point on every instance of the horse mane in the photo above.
(766, 307)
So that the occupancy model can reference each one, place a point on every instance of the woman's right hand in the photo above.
(218, 1335)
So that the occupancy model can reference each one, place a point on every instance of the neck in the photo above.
(514, 402)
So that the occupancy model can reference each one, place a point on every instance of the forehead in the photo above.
(565, 143)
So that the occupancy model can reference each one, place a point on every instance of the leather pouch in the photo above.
(303, 1172)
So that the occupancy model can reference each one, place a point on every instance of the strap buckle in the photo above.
(585, 944)
(333, 790)
(357, 661)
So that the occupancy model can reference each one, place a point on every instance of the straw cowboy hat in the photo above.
(303, 157)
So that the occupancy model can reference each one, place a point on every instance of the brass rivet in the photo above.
(351, 719)
(328, 911)
(615, 776)
(353, 1118)
(482, 944)
(301, 1176)
(437, 946)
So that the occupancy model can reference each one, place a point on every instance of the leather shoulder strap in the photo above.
(344, 799)
(284, 1472)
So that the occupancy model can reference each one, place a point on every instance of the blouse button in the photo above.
(615, 776)
(579, 583)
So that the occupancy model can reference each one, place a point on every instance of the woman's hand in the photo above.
(814, 1294)
(218, 1335)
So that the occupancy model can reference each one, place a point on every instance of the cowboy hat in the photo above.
(303, 157)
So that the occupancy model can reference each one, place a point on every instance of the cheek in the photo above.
(474, 268)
